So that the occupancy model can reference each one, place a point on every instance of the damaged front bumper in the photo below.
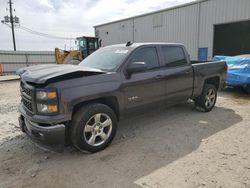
(50, 137)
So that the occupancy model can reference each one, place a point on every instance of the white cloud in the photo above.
(69, 18)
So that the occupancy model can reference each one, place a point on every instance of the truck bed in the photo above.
(203, 70)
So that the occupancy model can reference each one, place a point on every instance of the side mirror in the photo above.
(136, 67)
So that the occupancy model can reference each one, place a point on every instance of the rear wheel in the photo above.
(207, 99)
(93, 127)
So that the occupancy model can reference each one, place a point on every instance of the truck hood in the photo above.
(44, 74)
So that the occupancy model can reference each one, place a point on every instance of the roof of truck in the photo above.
(134, 45)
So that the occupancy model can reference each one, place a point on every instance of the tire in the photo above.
(88, 127)
(203, 102)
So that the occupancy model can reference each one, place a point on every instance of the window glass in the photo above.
(174, 56)
(107, 58)
(92, 44)
(147, 55)
(83, 44)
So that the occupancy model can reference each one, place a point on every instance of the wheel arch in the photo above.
(215, 80)
(110, 101)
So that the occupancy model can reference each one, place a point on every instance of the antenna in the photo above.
(129, 43)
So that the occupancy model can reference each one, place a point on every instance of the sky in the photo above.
(68, 18)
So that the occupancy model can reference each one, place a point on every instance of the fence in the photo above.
(11, 61)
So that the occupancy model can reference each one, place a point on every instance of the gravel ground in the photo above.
(167, 147)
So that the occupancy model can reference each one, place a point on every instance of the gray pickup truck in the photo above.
(81, 104)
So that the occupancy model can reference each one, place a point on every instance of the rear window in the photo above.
(174, 56)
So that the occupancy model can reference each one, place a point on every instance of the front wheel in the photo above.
(207, 99)
(93, 127)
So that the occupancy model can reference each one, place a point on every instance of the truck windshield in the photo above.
(106, 59)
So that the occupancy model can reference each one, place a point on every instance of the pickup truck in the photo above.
(82, 104)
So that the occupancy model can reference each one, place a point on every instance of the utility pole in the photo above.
(12, 20)
(12, 26)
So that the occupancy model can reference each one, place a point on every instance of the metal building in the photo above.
(205, 27)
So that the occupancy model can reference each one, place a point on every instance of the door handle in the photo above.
(158, 77)
(187, 72)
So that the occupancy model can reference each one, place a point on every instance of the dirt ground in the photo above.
(166, 147)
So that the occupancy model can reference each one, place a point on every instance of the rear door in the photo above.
(178, 73)
(144, 87)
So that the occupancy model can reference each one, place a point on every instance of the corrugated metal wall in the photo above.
(116, 33)
(191, 25)
(11, 61)
(178, 26)
(215, 12)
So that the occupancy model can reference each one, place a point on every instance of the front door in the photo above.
(144, 87)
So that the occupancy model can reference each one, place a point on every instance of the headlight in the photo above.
(47, 101)
(45, 95)
(47, 108)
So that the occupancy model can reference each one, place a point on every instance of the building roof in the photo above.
(150, 13)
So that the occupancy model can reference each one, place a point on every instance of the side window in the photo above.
(92, 44)
(147, 55)
(174, 56)
(83, 44)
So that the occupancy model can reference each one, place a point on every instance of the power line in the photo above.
(42, 34)
(45, 34)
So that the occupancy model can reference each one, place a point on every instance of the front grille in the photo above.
(26, 94)
(26, 90)
(27, 104)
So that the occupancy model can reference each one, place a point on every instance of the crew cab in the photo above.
(82, 104)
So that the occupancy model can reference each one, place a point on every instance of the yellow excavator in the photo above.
(86, 46)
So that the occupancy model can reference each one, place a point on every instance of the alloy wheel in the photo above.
(97, 129)
(210, 98)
